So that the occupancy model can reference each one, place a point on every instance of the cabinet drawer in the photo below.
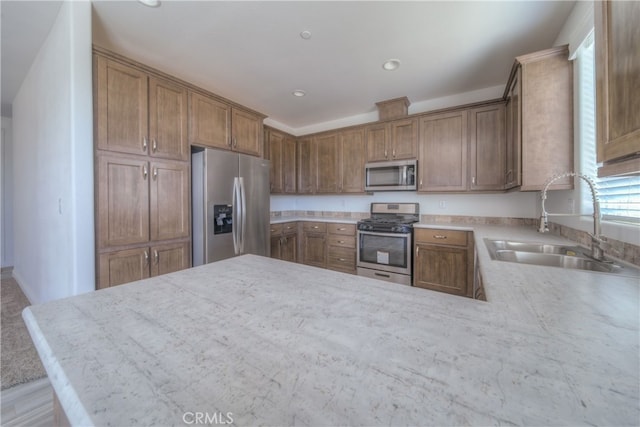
(441, 237)
(342, 259)
(289, 228)
(319, 227)
(276, 229)
(342, 241)
(344, 229)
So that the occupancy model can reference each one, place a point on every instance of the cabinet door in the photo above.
(289, 175)
(170, 258)
(124, 266)
(513, 121)
(404, 139)
(352, 153)
(275, 143)
(123, 197)
(169, 201)
(121, 107)
(441, 268)
(289, 248)
(617, 37)
(168, 120)
(276, 244)
(314, 249)
(209, 122)
(377, 140)
(328, 163)
(306, 166)
(443, 152)
(487, 148)
(246, 132)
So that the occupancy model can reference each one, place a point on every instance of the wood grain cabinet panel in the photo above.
(352, 160)
(121, 107)
(442, 163)
(545, 104)
(169, 200)
(307, 166)
(487, 146)
(281, 150)
(284, 241)
(444, 261)
(404, 139)
(377, 137)
(209, 122)
(119, 267)
(328, 166)
(123, 200)
(168, 120)
(170, 257)
(513, 177)
(617, 40)
(246, 132)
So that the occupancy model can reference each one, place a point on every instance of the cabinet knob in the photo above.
(155, 173)
(154, 145)
(144, 143)
(144, 172)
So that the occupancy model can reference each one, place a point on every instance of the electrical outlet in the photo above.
(571, 205)
(442, 204)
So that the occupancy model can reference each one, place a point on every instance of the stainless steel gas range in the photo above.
(385, 242)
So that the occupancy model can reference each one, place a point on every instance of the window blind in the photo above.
(619, 196)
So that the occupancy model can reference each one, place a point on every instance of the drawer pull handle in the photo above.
(315, 227)
(341, 259)
(382, 275)
(341, 229)
(340, 241)
(439, 236)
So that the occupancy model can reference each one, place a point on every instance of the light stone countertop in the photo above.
(275, 343)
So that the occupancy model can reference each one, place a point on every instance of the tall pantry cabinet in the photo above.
(141, 173)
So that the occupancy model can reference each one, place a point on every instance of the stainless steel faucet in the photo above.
(597, 240)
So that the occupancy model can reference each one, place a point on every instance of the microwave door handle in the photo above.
(404, 175)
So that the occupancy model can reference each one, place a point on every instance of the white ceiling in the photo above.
(252, 52)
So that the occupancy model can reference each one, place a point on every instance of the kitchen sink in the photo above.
(550, 255)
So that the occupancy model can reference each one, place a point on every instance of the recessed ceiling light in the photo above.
(299, 93)
(391, 64)
(306, 34)
(150, 3)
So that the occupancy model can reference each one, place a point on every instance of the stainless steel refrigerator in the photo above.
(230, 200)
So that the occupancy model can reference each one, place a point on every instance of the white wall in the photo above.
(6, 223)
(53, 163)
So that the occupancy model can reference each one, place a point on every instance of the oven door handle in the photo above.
(376, 233)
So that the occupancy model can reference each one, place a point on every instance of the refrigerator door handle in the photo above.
(243, 213)
(235, 211)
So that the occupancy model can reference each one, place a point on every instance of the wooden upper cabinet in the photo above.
(442, 162)
(209, 122)
(352, 155)
(275, 142)
(121, 107)
(168, 120)
(404, 139)
(513, 177)
(169, 200)
(246, 132)
(617, 40)
(546, 124)
(487, 148)
(123, 198)
(377, 137)
(281, 150)
(328, 163)
(396, 140)
(307, 166)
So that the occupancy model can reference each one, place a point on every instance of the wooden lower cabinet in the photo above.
(129, 265)
(341, 247)
(284, 241)
(443, 261)
(314, 243)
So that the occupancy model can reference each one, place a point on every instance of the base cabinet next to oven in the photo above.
(443, 261)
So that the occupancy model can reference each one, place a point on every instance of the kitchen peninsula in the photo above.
(262, 341)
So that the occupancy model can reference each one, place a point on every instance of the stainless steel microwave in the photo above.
(398, 175)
